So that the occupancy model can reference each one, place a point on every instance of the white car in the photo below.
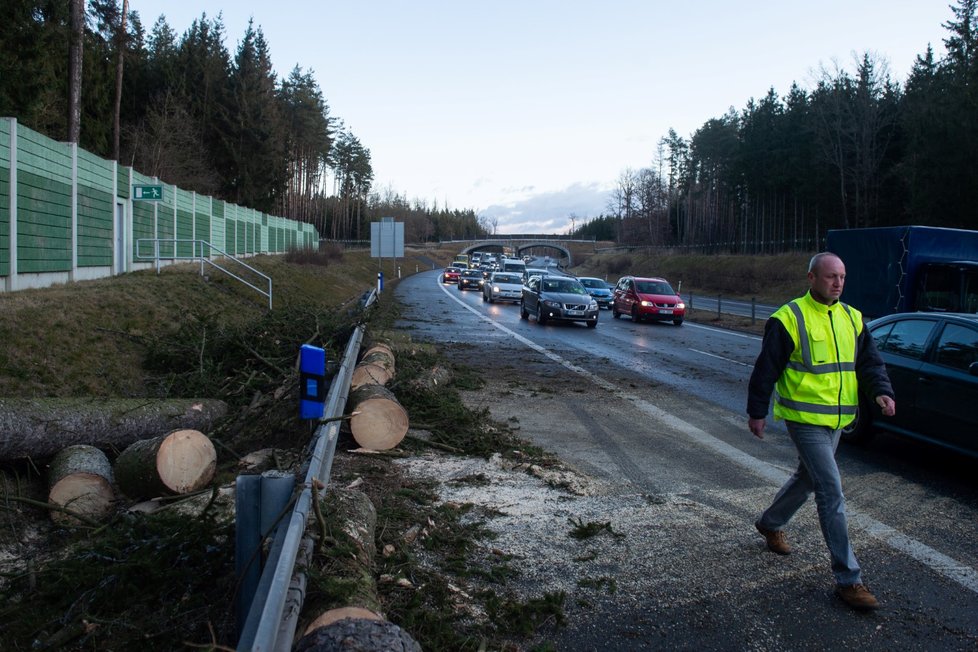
(503, 286)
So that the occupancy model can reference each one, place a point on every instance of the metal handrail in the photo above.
(204, 259)
(263, 630)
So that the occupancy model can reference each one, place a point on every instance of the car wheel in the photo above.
(615, 313)
(540, 318)
(592, 324)
(635, 316)
(523, 313)
(490, 299)
(442, 279)
(860, 431)
(484, 297)
(677, 322)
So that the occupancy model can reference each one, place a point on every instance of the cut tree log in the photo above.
(368, 374)
(376, 367)
(357, 623)
(358, 635)
(80, 480)
(379, 422)
(380, 354)
(41, 427)
(179, 462)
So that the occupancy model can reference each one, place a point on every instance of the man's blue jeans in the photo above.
(818, 472)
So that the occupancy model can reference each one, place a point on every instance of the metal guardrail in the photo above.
(198, 252)
(268, 627)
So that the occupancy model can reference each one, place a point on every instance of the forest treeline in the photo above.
(857, 150)
(200, 117)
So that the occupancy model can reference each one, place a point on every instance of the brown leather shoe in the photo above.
(776, 540)
(857, 596)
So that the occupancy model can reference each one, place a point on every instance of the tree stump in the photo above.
(180, 462)
(80, 479)
(380, 422)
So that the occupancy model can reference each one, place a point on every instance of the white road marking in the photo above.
(935, 560)
(720, 357)
(746, 336)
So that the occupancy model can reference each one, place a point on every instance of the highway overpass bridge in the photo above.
(559, 247)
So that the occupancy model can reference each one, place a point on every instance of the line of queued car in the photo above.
(550, 295)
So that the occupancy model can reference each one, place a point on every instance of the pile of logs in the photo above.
(378, 421)
(164, 451)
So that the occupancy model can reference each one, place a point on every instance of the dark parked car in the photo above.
(450, 275)
(647, 298)
(470, 279)
(558, 298)
(932, 361)
(598, 289)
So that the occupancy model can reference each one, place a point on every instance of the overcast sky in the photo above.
(528, 110)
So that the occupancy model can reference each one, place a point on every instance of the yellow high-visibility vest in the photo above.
(819, 384)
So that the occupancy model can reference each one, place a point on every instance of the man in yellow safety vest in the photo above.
(815, 354)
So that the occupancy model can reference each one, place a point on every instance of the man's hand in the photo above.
(887, 404)
(756, 427)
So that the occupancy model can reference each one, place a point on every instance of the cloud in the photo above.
(549, 212)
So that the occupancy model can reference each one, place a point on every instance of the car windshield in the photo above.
(506, 278)
(472, 272)
(593, 283)
(653, 287)
(562, 286)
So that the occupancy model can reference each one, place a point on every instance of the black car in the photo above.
(559, 298)
(470, 279)
(932, 361)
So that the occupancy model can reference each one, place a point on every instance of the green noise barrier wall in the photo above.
(68, 215)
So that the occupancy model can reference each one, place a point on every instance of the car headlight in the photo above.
(647, 304)
(593, 305)
(680, 306)
(551, 304)
(495, 288)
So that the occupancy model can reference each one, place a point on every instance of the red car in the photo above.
(450, 275)
(647, 298)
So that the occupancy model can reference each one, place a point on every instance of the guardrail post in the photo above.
(261, 506)
(719, 299)
(753, 310)
(247, 544)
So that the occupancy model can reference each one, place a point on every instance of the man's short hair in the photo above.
(818, 258)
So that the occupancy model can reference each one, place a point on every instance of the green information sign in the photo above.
(147, 193)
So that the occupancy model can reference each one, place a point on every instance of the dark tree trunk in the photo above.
(76, 48)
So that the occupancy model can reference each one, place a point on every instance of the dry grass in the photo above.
(88, 338)
(770, 279)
